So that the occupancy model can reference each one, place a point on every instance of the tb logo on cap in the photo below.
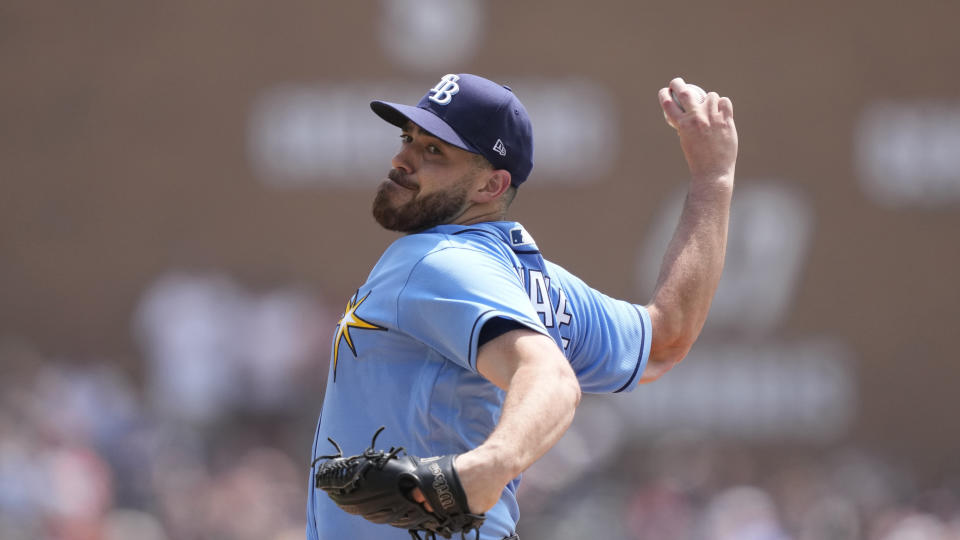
(444, 91)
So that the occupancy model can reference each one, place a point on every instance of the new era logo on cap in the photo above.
(475, 114)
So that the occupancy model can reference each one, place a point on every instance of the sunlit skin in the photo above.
(435, 183)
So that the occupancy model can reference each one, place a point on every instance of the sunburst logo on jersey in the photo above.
(350, 320)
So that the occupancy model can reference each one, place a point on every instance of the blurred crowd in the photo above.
(210, 439)
(83, 456)
(685, 485)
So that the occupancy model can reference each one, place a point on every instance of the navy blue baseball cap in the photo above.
(475, 114)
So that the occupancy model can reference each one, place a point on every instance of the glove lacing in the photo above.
(340, 469)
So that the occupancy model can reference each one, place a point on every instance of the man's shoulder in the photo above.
(449, 241)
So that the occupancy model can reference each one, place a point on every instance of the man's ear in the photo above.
(495, 183)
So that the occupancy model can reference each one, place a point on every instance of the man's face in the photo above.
(429, 184)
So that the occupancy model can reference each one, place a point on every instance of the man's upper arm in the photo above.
(499, 358)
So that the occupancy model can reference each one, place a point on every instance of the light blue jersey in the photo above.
(404, 354)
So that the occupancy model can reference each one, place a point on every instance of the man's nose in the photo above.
(404, 160)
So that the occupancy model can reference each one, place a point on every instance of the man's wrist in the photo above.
(488, 463)
(483, 477)
(717, 184)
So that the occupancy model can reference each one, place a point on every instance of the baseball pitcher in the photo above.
(461, 359)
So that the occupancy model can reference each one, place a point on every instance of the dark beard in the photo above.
(420, 213)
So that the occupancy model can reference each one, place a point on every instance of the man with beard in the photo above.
(464, 342)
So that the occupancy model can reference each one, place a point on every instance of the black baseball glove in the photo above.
(377, 485)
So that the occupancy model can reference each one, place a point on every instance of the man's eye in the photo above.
(433, 149)
(405, 138)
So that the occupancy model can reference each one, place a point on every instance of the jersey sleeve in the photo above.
(452, 292)
(610, 339)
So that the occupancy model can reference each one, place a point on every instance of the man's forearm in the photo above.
(693, 263)
(542, 396)
(538, 409)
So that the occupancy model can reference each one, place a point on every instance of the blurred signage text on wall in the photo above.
(908, 152)
(802, 391)
(428, 35)
(325, 135)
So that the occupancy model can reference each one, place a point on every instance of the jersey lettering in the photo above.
(540, 296)
(563, 316)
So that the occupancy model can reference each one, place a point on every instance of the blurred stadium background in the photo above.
(184, 211)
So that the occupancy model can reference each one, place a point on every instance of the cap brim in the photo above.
(398, 115)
